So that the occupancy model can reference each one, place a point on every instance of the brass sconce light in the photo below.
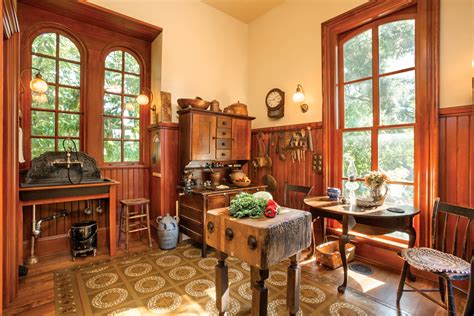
(298, 97)
(37, 85)
(144, 99)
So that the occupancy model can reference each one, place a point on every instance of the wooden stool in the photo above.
(126, 216)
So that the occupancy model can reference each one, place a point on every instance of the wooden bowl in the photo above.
(194, 103)
(242, 184)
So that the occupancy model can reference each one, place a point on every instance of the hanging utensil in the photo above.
(310, 139)
(303, 143)
(281, 150)
(87, 210)
(269, 159)
(270, 182)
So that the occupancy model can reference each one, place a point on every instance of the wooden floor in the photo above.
(35, 296)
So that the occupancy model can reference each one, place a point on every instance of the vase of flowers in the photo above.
(377, 183)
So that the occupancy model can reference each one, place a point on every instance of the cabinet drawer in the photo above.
(222, 154)
(216, 201)
(191, 212)
(223, 132)
(223, 143)
(224, 122)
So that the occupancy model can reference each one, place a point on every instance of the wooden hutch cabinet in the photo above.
(212, 136)
(207, 137)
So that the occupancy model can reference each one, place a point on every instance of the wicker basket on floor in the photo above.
(328, 254)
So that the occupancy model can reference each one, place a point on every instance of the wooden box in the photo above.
(260, 242)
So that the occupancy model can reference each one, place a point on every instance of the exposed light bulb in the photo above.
(298, 96)
(143, 99)
(38, 85)
(40, 97)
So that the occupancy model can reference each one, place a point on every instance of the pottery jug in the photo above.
(168, 231)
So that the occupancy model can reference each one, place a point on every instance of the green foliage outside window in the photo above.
(62, 99)
(121, 110)
(396, 100)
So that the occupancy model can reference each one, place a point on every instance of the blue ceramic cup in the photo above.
(333, 193)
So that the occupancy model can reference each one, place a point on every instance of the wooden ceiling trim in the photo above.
(9, 19)
(95, 15)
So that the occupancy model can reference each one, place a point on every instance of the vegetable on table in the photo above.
(245, 204)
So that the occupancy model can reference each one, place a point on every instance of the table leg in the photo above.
(293, 287)
(222, 284)
(259, 291)
(411, 243)
(342, 250)
(113, 220)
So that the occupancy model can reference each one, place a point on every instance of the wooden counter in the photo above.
(193, 209)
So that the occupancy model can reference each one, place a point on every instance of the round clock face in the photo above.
(274, 99)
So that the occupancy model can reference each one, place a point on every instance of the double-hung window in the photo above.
(376, 104)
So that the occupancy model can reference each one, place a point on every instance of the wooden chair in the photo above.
(307, 192)
(295, 188)
(448, 263)
(133, 221)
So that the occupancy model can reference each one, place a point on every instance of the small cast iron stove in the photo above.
(83, 238)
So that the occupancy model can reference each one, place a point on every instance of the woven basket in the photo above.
(328, 254)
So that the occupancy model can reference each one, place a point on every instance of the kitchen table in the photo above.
(374, 221)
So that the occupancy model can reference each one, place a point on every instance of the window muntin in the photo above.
(59, 117)
(122, 82)
(377, 105)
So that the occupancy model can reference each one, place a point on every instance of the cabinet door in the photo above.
(241, 139)
(203, 137)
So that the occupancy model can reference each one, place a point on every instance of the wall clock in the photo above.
(275, 101)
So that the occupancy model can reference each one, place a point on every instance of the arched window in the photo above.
(121, 110)
(59, 116)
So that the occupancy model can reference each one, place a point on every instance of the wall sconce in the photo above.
(37, 85)
(144, 99)
(298, 97)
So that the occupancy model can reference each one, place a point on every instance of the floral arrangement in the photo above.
(375, 179)
(246, 204)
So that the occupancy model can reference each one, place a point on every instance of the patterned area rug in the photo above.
(180, 282)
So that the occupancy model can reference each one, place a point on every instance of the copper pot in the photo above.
(239, 108)
(216, 178)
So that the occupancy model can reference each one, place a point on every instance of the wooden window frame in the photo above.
(122, 95)
(26, 99)
(376, 126)
(427, 95)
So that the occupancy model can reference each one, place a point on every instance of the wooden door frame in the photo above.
(427, 92)
(9, 156)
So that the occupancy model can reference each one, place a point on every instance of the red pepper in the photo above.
(272, 209)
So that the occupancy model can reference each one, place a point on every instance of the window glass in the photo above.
(358, 104)
(397, 98)
(358, 57)
(57, 115)
(397, 45)
(121, 110)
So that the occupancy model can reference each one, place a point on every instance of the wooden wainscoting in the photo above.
(134, 182)
(297, 173)
(456, 157)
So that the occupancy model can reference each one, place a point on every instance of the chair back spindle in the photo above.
(442, 232)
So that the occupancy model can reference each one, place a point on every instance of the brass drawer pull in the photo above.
(229, 234)
(210, 227)
(252, 242)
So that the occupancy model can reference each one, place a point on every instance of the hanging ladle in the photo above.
(87, 209)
